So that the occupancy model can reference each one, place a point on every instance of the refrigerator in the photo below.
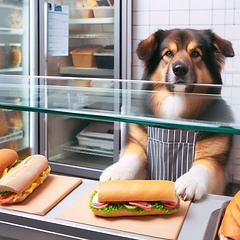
(84, 53)
(18, 57)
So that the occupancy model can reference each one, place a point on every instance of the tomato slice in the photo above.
(7, 198)
(144, 205)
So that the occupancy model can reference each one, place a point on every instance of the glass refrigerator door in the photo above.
(93, 45)
(17, 57)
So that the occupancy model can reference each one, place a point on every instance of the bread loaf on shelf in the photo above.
(230, 225)
(3, 123)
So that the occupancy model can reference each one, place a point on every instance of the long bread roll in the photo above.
(134, 198)
(7, 158)
(136, 190)
(16, 185)
(230, 225)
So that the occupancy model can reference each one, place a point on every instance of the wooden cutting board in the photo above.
(47, 195)
(161, 226)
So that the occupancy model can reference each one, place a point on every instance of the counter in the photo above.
(25, 226)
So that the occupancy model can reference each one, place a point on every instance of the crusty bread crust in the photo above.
(7, 157)
(126, 213)
(136, 190)
(23, 175)
(230, 226)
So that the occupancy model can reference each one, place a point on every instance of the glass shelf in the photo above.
(91, 21)
(92, 35)
(97, 99)
(11, 31)
(90, 72)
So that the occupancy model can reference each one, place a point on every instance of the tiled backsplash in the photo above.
(222, 16)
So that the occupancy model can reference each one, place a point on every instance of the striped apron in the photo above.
(170, 152)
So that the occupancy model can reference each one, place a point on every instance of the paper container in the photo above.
(103, 12)
(81, 13)
(83, 57)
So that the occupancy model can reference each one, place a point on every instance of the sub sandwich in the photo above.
(230, 225)
(17, 184)
(134, 198)
(8, 159)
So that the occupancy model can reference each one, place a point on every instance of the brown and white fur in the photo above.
(181, 66)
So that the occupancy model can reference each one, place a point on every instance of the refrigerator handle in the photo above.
(46, 29)
(43, 36)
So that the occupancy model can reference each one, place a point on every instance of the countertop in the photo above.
(26, 226)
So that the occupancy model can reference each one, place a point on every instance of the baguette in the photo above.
(134, 198)
(16, 185)
(230, 225)
(7, 158)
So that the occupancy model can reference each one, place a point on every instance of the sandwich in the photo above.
(134, 198)
(17, 184)
(8, 159)
(230, 225)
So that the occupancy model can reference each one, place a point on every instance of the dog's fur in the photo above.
(181, 66)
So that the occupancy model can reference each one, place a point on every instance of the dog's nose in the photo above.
(180, 69)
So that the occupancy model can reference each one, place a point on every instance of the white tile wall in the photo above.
(222, 16)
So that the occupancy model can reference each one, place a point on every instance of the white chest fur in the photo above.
(173, 106)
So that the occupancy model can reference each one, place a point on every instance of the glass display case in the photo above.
(93, 49)
(18, 56)
(82, 141)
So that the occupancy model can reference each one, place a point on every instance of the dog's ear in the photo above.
(224, 46)
(147, 47)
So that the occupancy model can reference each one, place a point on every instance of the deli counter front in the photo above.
(84, 130)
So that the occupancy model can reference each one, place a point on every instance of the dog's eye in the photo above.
(169, 54)
(195, 54)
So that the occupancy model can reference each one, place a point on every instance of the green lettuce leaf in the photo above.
(6, 193)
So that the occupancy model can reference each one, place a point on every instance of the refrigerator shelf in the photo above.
(91, 35)
(86, 150)
(11, 31)
(91, 21)
(10, 70)
(91, 72)
(11, 6)
(11, 137)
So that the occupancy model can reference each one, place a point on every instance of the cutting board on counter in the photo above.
(161, 226)
(47, 195)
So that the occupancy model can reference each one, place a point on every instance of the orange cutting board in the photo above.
(47, 195)
(160, 226)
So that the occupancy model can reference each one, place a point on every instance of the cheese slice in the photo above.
(36, 183)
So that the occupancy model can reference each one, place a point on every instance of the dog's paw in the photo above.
(193, 184)
(127, 168)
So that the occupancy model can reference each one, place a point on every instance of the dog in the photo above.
(182, 67)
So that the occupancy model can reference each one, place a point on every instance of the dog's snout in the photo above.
(180, 69)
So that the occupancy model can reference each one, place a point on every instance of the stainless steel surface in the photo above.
(198, 216)
(211, 227)
(27, 226)
(214, 222)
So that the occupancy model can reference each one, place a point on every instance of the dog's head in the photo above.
(183, 57)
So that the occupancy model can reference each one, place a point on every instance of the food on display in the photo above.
(230, 225)
(21, 181)
(8, 159)
(134, 198)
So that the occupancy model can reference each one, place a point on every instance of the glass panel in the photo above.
(91, 41)
(80, 142)
(14, 37)
(95, 99)
(17, 38)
